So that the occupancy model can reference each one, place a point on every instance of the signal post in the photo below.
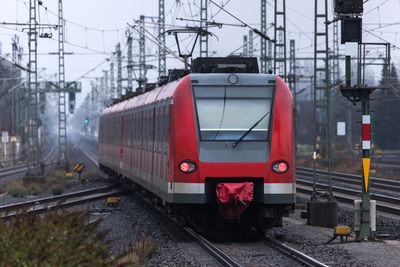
(349, 13)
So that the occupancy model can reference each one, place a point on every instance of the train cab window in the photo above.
(225, 115)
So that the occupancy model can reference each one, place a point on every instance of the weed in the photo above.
(34, 190)
(17, 189)
(144, 248)
(57, 189)
(138, 253)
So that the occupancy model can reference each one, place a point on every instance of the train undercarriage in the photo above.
(208, 217)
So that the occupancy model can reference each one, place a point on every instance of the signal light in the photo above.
(280, 167)
(86, 121)
(187, 166)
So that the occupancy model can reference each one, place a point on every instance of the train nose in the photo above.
(234, 198)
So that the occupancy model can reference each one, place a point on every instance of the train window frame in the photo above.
(270, 113)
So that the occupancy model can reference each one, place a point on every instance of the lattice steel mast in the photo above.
(62, 116)
(119, 69)
(130, 64)
(112, 84)
(251, 46)
(263, 56)
(142, 55)
(280, 39)
(33, 131)
(245, 46)
(322, 96)
(16, 94)
(162, 63)
(203, 25)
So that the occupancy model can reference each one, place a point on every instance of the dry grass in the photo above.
(57, 189)
(92, 173)
(22, 189)
(55, 182)
(138, 253)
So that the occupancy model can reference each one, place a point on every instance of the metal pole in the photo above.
(112, 84)
(142, 56)
(162, 62)
(62, 117)
(119, 67)
(292, 85)
(365, 226)
(33, 128)
(251, 47)
(263, 56)
(245, 46)
(280, 39)
(203, 25)
(106, 88)
(130, 66)
(322, 96)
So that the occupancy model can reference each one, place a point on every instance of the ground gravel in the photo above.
(312, 240)
(127, 223)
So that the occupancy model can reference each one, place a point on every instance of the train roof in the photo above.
(158, 94)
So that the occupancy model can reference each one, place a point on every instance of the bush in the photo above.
(34, 190)
(17, 189)
(59, 238)
(57, 189)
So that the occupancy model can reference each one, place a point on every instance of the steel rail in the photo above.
(218, 254)
(292, 253)
(6, 172)
(215, 252)
(386, 202)
(45, 200)
(62, 201)
(377, 183)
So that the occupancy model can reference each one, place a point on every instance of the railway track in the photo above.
(63, 201)
(220, 255)
(14, 170)
(353, 179)
(347, 195)
(292, 253)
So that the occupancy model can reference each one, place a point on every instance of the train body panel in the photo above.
(199, 119)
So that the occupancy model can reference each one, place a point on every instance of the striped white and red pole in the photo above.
(366, 132)
(366, 146)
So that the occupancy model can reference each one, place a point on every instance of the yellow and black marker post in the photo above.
(79, 168)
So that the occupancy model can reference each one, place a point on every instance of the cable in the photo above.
(155, 41)
(393, 45)
(244, 23)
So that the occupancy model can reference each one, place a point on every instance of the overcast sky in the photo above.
(95, 26)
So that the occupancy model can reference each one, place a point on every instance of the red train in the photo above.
(210, 145)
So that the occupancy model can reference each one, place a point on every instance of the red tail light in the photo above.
(187, 166)
(280, 167)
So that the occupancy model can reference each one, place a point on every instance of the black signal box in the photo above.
(351, 30)
(347, 7)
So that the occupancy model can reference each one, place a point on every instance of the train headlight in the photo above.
(280, 167)
(187, 166)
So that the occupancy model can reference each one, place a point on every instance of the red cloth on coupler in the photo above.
(234, 198)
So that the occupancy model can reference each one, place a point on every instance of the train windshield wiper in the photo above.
(249, 130)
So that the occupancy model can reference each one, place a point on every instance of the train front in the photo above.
(242, 160)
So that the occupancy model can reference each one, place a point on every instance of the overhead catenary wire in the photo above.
(154, 39)
(255, 30)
